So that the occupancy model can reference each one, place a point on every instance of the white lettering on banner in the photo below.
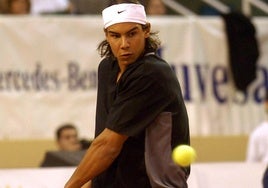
(45, 83)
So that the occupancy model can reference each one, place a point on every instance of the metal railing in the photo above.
(221, 7)
(178, 8)
(246, 6)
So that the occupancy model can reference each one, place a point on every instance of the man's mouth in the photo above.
(125, 55)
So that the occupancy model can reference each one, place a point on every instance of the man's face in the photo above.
(68, 140)
(127, 41)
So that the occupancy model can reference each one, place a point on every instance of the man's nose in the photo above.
(124, 42)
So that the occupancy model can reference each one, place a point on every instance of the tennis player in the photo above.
(140, 116)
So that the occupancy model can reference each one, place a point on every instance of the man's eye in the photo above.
(114, 36)
(131, 34)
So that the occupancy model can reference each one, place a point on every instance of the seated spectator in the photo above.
(70, 148)
(257, 150)
(152, 7)
(15, 7)
(155, 7)
(67, 138)
(51, 7)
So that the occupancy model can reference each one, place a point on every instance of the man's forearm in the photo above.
(98, 158)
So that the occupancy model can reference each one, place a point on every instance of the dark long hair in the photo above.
(152, 43)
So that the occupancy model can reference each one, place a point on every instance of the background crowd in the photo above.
(82, 7)
(77, 7)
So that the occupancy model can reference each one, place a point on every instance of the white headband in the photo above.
(125, 12)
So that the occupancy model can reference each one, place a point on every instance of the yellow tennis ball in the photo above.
(183, 155)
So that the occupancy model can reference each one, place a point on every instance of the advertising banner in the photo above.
(48, 74)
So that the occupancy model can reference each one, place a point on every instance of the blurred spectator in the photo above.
(258, 144)
(15, 7)
(67, 138)
(70, 148)
(258, 141)
(112, 2)
(155, 7)
(51, 7)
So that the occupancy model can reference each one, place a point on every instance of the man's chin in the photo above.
(126, 61)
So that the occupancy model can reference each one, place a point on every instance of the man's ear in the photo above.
(147, 29)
